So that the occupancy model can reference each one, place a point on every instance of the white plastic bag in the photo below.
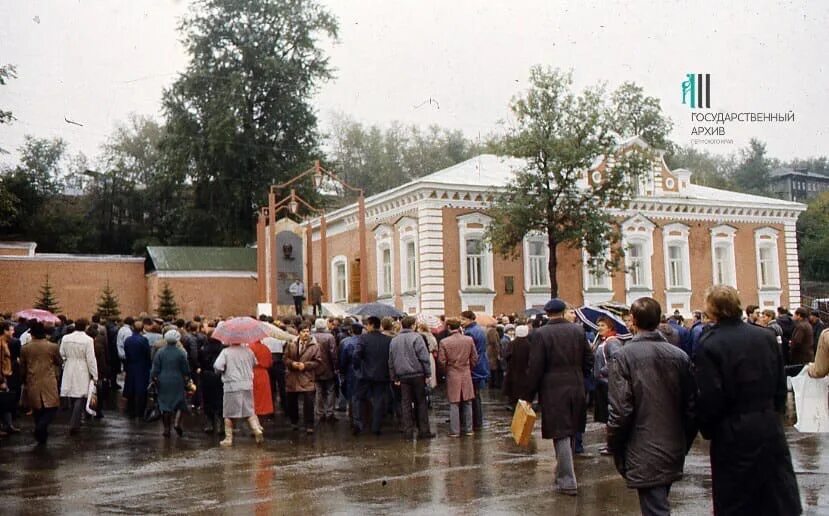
(92, 399)
(811, 401)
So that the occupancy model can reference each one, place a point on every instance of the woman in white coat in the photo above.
(77, 349)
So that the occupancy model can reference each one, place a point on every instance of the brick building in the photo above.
(426, 252)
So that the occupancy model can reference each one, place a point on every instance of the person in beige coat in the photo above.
(457, 355)
(820, 367)
(302, 358)
(77, 349)
(39, 368)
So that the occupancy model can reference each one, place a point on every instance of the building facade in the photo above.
(426, 250)
(797, 185)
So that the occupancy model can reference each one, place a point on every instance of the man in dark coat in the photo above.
(650, 426)
(741, 395)
(137, 364)
(817, 326)
(517, 356)
(559, 355)
(480, 373)
(801, 345)
(371, 357)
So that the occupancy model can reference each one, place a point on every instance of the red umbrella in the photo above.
(239, 330)
(37, 313)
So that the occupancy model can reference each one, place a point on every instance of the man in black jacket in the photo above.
(741, 393)
(371, 357)
(650, 426)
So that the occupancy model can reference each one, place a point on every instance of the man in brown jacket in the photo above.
(457, 356)
(40, 367)
(326, 372)
(801, 346)
(302, 358)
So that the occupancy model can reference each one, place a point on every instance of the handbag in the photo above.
(522, 423)
(152, 412)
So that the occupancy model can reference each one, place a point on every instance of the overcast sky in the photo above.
(95, 61)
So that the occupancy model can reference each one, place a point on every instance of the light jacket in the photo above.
(408, 356)
(235, 364)
(77, 350)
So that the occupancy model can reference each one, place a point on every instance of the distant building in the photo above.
(797, 184)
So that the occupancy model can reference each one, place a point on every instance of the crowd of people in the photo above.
(381, 372)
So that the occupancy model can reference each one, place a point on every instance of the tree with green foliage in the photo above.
(6, 117)
(240, 118)
(708, 169)
(46, 299)
(753, 172)
(377, 159)
(560, 134)
(167, 308)
(108, 304)
(635, 114)
(813, 239)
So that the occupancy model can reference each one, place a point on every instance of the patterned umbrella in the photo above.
(484, 319)
(36, 313)
(239, 330)
(590, 314)
(429, 320)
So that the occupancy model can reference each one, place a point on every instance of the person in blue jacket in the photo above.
(480, 373)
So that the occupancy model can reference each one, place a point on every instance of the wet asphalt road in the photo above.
(126, 467)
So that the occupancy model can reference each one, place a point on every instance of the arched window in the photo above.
(637, 241)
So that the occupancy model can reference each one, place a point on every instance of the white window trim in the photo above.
(407, 231)
(334, 262)
(723, 236)
(767, 237)
(465, 232)
(639, 229)
(682, 241)
(384, 236)
(535, 237)
(608, 278)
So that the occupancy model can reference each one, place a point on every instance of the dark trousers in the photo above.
(136, 403)
(78, 405)
(653, 501)
(600, 408)
(377, 393)
(298, 304)
(413, 398)
(317, 309)
(307, 407)
(277, 376)
(477, 405)
(43, 417)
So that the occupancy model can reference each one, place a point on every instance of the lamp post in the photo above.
(319, 174)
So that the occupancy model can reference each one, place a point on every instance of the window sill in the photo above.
(639, 289)
(409, 293)
(538, 290)
(598, 290)
(678, 290)
(770, 289)
(477, 290)
(385, 297)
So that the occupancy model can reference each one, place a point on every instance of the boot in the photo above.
(177, 425)
(219, 424)
(210, 427)
(257, 429)
(166, 419)
(228, 440)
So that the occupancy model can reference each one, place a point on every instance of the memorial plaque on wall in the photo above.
(289, 265)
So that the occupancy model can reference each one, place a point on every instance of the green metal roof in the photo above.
(202, 258)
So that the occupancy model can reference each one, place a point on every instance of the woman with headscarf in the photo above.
(235, 364)
(171, 372)
(517, 356)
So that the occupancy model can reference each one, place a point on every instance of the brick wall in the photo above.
(211, 296)
(76, 283)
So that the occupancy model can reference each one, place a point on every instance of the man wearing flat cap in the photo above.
(559, 356)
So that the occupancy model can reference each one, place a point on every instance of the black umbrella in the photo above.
(532, 312)
(376, 309)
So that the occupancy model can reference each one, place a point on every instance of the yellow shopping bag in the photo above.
(522, 423)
